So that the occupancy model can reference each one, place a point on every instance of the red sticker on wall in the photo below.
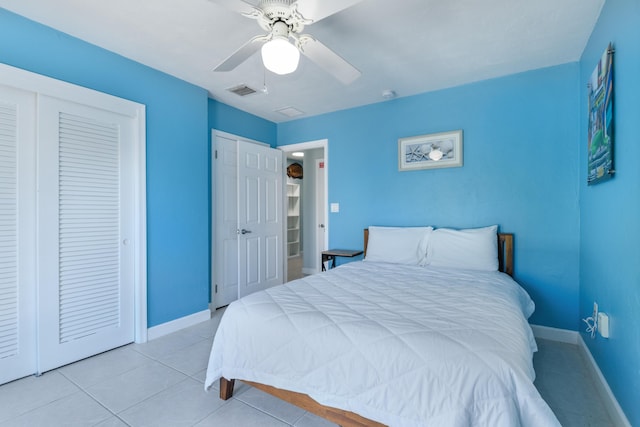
(321, 165)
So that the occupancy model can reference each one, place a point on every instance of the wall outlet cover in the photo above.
(603, 325)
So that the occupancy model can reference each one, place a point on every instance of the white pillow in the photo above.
(473, 248)
(401, 245)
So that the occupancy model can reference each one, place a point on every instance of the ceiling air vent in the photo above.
(242, 90)
(290, 112)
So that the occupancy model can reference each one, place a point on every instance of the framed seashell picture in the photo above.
(436, 150)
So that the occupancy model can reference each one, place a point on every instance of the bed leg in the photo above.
(226, 388)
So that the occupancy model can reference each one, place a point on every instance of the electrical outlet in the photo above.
(603, 324)
(594, 316)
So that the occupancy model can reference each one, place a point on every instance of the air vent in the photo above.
(242, 90)
(290, 112)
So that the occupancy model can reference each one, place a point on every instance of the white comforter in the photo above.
(402, 345)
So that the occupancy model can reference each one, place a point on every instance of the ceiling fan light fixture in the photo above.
(279, 56)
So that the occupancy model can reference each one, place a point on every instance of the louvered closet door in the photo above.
(86, 287)
(17, 234)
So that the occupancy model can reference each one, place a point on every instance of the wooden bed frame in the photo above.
(340, 416)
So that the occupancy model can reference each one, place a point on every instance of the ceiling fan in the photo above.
(284, 20)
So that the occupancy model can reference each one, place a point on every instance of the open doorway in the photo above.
(307, 228)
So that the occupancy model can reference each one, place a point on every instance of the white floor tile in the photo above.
(582, 420)
(559, 358)
(132, 387)
(190, 360)
(112, 422)
(208, 328)
(27, 394)
(200, 376)
(165, 346)
(104, 366)
(564, 382)
(182, 404)
(311, 420)
(236, 413)
(77, 409)
(265, 402)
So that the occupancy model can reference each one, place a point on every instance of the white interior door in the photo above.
(225, 253)
(321, 209)
(248, 196)
(17, 234)
(86, 219)
(260, 217)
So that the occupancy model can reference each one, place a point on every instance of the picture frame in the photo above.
(431, 151)
(600, 133)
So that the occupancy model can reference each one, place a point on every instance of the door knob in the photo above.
(320, 225)
(243, 231)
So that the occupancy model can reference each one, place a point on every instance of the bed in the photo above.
(424, 331)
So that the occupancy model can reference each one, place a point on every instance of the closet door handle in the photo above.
(243, 231)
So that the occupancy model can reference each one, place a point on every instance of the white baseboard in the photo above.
(611, 403)
(572, 337)
(555, 334)
(177, 324)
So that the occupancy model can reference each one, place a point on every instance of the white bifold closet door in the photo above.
(17, 234)
(85, 220)
(66, 221)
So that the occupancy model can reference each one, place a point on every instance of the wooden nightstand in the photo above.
(331, 255)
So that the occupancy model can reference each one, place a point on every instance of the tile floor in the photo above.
(566, 384)
(160, 383)
(294, 268)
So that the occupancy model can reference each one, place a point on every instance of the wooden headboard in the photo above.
(505, 251)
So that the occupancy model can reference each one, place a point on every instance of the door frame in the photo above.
(319, 165)
(309, 145)
(43, 85)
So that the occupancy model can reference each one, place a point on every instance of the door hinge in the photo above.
(216, 291)
(216, 154)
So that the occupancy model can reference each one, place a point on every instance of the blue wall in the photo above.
(520, 171)
(609, 212)
(237, 122)
(177, 154)
(524, 169)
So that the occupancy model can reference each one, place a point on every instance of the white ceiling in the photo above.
(408, 46)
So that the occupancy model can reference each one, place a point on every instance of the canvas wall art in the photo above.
(600, 133)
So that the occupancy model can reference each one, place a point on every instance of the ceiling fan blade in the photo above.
(333, 63)
(236, 6)
(242, 54)
(316, 10)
